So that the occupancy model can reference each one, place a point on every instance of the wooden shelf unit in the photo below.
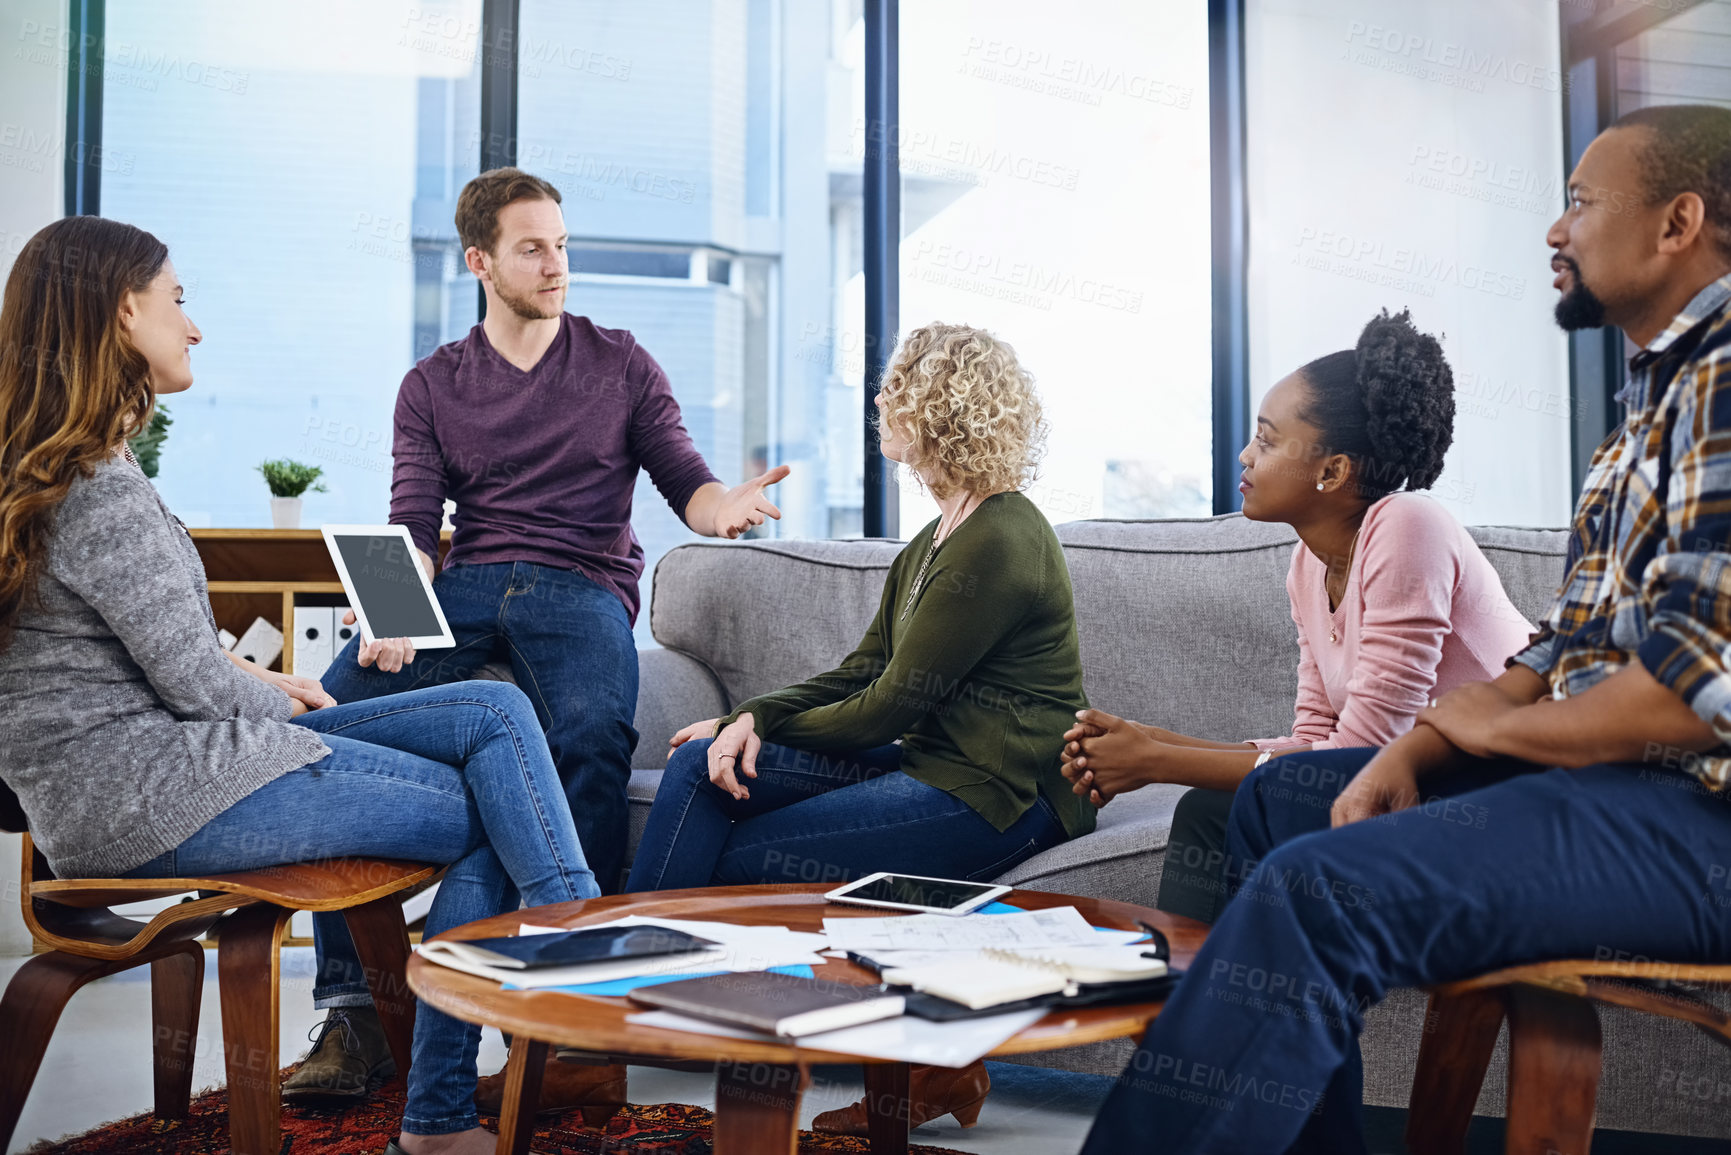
(256, 573)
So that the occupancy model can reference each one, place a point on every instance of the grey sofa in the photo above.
(1183, 623)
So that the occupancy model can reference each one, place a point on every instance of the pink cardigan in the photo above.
(1423, 612)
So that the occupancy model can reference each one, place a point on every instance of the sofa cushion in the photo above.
(763, 615)
(1529, 561)
(1121, 859)
(1184, 623)
(673, 691)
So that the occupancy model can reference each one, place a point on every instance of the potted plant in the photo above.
(287, 481)
(147, 444)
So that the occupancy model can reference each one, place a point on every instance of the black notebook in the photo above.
(572, 947)
(784, 1005)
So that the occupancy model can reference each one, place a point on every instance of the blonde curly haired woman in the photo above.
(971, 665)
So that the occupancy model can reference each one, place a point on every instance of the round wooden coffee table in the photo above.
(758, 1084)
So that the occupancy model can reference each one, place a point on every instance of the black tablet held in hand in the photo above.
(571, 947)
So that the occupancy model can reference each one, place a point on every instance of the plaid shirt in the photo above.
(1649, 573)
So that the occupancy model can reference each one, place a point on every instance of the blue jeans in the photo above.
(569, 645)
(453, 774)
(821, 817)
(1503, 863)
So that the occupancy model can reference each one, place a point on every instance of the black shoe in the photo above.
(349, 1052)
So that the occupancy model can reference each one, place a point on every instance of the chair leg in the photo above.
(1460, 1032)
(382, 944)
(176, 989)
(1554, 1067)
(28, 1013)
(248, 961)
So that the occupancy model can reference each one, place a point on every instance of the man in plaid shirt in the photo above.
(1575, 807)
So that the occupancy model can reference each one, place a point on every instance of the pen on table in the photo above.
(869, 964)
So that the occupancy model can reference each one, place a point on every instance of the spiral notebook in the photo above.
(992, 977)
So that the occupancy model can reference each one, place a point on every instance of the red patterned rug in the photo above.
(667, 1128)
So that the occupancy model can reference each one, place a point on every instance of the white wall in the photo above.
(32, 120)
(1409, 153)
(32, 153)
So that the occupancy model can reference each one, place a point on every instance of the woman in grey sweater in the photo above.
(139, 747)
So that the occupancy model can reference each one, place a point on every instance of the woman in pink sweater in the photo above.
(1394, 603)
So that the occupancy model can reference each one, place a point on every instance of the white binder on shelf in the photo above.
(262, 643)
(340, 634)
(313, 634)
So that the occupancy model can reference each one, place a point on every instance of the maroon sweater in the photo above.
(542, 463)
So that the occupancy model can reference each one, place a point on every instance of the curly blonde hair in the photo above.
(967, 409)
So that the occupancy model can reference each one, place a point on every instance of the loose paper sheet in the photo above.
(1059, 926)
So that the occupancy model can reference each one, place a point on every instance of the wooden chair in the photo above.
(1554, 1047)
(248, 910)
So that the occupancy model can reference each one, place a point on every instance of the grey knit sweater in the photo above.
(123, 726)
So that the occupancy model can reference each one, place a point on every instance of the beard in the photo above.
(529, 305)
(1580, 307)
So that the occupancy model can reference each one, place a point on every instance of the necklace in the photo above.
(1352, 550)
(920, 577)
(919, 580)
(126, 452)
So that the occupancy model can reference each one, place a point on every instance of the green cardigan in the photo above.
(979, 681)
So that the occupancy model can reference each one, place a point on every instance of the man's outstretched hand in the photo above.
(730, 512)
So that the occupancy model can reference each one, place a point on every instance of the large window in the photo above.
(1056, 191)
(303, 174)
(696, 154)
(709, 152)
(1408, 155)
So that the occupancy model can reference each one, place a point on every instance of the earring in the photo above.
(1319, 485)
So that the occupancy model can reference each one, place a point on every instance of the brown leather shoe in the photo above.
(933, 1092)
(349, 1052)
(598, 1089)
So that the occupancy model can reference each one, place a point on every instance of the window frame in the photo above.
(1590, 40)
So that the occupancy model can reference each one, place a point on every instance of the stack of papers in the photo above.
(1061, 926)
(993, 977)
(990, 960)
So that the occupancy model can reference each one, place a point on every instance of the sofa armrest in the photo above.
(673, 691)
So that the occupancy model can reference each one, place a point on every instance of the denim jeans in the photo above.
(454, 774)
(1256, 1051)
(569, 645)
(821, 817)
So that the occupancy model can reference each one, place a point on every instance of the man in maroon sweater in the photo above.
(536, 425)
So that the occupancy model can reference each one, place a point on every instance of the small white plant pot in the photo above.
(285, 512)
